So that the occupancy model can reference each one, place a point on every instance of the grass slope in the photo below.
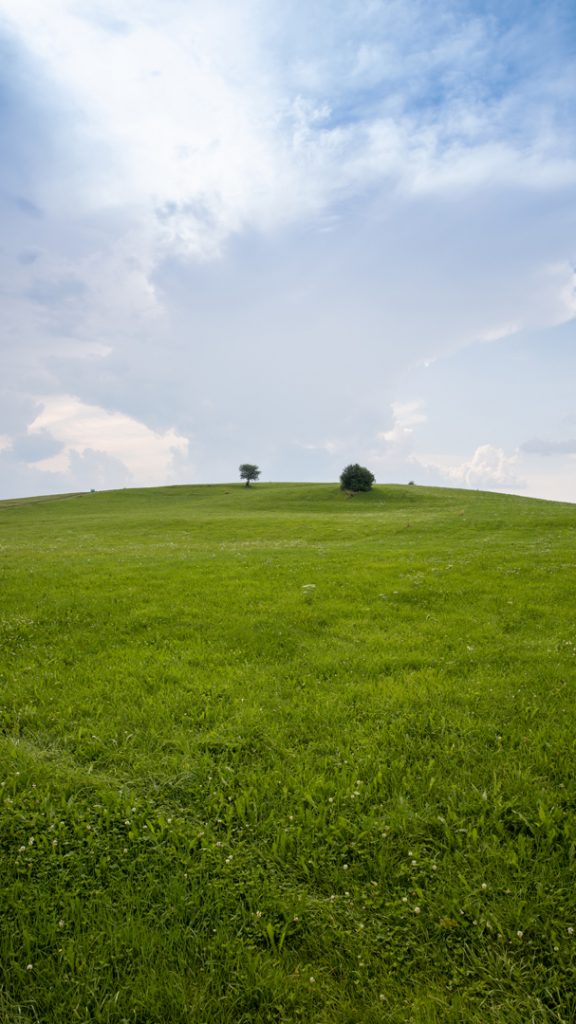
(229, 799)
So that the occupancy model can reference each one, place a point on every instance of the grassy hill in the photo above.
(274, 754)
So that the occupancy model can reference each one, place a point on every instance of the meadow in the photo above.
(274, 754)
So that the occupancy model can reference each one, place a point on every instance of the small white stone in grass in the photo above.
(345, 867)
(404, 899)
(416, 910)
(483, 886)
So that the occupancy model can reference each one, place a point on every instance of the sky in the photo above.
(297, 233)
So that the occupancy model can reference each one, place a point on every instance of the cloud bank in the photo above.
(246, 228)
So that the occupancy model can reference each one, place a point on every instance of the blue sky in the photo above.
(296, 234)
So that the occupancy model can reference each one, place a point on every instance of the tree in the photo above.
(249, 472)
(356, 478)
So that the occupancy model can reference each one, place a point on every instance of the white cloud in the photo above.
(407, 415)
(83, 430)
(178, 111)
(470, 166)
(488, 468)
(193, 126)
(498, 332)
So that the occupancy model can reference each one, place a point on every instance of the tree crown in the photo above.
(249, 472)
(356, 478)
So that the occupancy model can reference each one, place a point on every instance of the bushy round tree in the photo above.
(356, 478)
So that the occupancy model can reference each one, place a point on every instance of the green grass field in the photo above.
(279, 755)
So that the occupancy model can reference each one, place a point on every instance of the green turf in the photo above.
(274, 754)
